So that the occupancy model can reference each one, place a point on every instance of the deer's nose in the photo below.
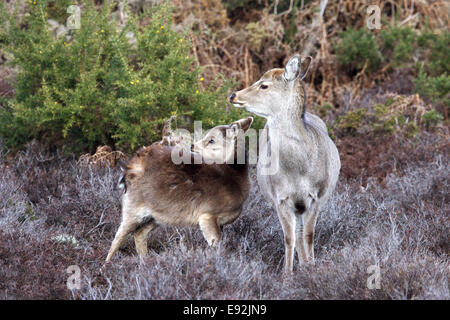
(192, 147)
(232, 96)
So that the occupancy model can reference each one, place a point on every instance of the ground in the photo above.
(55, 212)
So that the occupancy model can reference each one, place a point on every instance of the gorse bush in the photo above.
(395, 44)
(401, 47)
(433, 79)
(398, 44)
(352, 121)
(358, 48)
(401, 44)
(432, 117)
(437, 88)
(399, 115)
(95, 86)
(437, 46)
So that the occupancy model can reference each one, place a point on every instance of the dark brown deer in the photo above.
(158, 191)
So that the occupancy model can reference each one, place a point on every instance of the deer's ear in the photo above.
(247, 123)
(233, 130)
(297, 67)
(243, 124)
(292, 68)
(305, 63)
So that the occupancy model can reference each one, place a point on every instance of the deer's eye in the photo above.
(263, 86)
(211, 141)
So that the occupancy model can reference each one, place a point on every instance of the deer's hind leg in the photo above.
(310, 225)
(140, 236)
(304, 233)
(126, 227)
(210, 228)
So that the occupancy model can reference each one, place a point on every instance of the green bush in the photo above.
(437, 88)
(433, 79)
(437, 45)
(394, 117)
(432, 118)
(352, 120)
(398, 44)
(97, 88)
(439, 57)
(324, 108)
(385, 119)
(356, 48)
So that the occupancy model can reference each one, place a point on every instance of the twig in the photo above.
(100, 222)
(246, 67)
(213, 65)
(227, 54)
(291, 4)
(409, 18)
(323, 5)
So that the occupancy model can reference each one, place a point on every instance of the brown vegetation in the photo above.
(250, 42)
(72, 216)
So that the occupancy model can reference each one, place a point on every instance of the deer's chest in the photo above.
(286, 166)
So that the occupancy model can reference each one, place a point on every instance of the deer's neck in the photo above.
(291, 122)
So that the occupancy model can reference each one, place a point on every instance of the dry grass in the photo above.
(251, 41)
(104, 156)
(403, 227)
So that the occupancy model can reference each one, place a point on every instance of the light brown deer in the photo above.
(308, 161)
(158, 191)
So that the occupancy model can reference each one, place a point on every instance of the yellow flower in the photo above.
(180, 40)
(102, 31)
(34, 2)
(137, 81)
(157, 31)
(196, 91)
(201, 79)
(173, 113)
(40, 51)
(131, 82)
(162, 27)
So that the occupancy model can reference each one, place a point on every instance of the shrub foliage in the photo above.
(95, 86)
(357, 49)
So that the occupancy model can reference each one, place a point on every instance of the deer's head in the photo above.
(219, 144)
(277, 92)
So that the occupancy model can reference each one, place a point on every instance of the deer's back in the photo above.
(178, 194)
